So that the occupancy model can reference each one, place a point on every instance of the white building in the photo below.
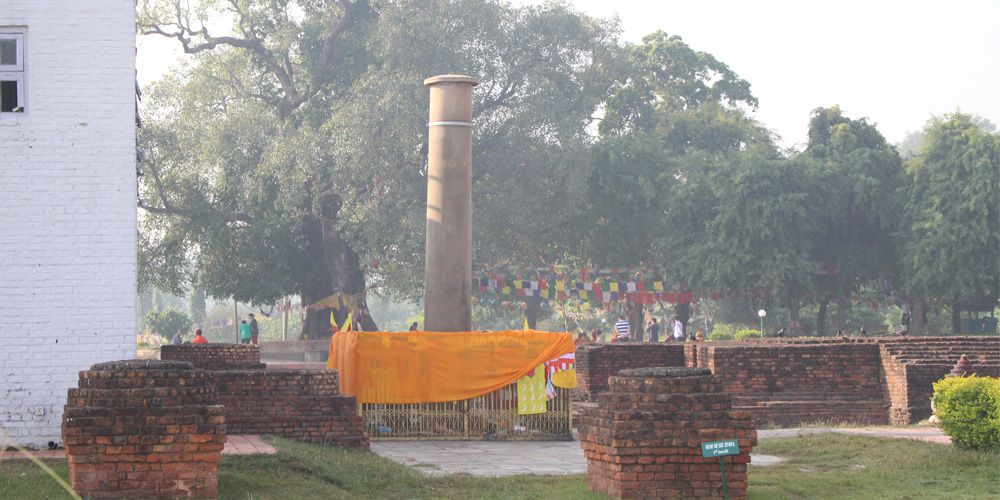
(67, 202)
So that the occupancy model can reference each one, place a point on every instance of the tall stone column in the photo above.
(448, 269)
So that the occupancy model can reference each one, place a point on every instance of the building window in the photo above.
(12, 91)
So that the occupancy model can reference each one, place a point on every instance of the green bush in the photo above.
(725, 331)
(168, 322)
(969, 411)
(747, 333)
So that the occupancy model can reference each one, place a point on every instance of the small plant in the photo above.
(747, 333)
(969, 411)
(732, 331)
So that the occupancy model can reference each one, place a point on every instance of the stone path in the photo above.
(507, 458)
(235, 445)
(929, 434)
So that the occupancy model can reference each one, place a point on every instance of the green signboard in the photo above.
(720, 448)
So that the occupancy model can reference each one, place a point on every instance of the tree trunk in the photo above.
(843, 302)
(338, 270)
(684, 315)
(794, 326)
(636, 315)
(956, 317)
(821, 317)
(916, 317)
(534, 306)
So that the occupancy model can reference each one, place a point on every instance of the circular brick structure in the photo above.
(143, 429)
(215, 356)
(642, 439)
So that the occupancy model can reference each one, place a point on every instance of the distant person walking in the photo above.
(653, 330)
(254, 329)
(678, 329)
(622, 331)
(198, 339)
(246, 334)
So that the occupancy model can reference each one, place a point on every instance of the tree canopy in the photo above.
(287, 156)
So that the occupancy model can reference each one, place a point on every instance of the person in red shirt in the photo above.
(198, 339)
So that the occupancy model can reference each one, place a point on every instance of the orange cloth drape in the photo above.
(434, 367)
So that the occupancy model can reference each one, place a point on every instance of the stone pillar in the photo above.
(643, 438)
(143, 429)
(448, 270)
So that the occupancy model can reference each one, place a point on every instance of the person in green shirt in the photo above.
(245, 332)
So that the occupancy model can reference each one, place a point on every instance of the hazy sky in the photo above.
(895, 62)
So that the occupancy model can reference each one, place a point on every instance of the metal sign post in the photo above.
(721, 449)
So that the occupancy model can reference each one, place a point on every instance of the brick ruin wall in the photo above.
(301, 404)
(911, 367)
(143, 429)
(215, 356)
(801, 380)
(642, 438)
(595, 363)
(305, 405)
(792, 383)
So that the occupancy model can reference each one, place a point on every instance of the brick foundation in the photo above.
(300, 404)
(912, 365)
(215, 356)
(143, 429)
(786, 382)
(595, 363)
(643, 438)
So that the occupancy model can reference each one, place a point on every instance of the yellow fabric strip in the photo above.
(434, 367)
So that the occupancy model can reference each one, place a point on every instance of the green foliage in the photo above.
(858, 174)
(724, 331)
(953, 242)
(747, 333)
(167, 322)
(969, 410)
(305, 177)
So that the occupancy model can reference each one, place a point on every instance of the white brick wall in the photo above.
(67, 208)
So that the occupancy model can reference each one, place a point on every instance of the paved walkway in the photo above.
(507, 458)
(240, 444)
(929, 434)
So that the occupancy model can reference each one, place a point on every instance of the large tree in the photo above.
(672, 114)
(952, 251)
(288, 157)
(861, 176)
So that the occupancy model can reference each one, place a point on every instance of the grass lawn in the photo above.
(819, 466)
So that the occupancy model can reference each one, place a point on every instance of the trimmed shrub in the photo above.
(723, 331)
(747, 333)
(969, 411)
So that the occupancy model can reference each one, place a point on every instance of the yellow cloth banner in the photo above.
(531, 393)
(434, 367)
(565, 379)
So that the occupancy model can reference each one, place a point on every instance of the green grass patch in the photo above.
(839, 466)
(818, 466)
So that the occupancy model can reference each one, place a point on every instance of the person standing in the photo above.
(254, 330)
(198, 339)
(178, 339)
(653, 330)
(678, 329)
(246, 334)
(622, 331)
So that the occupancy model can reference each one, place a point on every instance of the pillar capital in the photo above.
(451, 79)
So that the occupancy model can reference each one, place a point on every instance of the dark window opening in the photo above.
(8, 96)
(8, 52)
